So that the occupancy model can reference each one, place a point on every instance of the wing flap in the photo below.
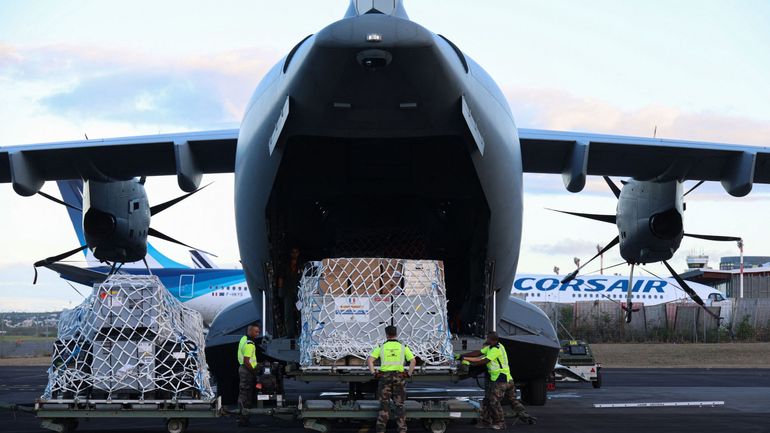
(641, 158)
(123, 158)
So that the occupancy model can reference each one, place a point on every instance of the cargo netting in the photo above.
(346, 304)
(129, 339)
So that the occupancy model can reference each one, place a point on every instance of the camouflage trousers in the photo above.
(247, 382)
(492, 409)
(391, 387)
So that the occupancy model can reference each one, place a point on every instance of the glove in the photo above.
(526, 418)
(465, 362)
(458, 357)
(378, 375)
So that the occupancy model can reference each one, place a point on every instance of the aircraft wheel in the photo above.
(598, 382)
(534, 393)
(176, 425)
(438, 426)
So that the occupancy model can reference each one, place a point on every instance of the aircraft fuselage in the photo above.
(376, 137)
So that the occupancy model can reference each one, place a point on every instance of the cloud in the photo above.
(561, 110)
(575, 247)
(17, 293)
(99, 84)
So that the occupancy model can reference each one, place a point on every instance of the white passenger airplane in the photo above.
(646, 290)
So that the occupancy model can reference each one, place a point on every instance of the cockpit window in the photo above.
(387, 7)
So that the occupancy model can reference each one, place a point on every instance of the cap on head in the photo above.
(391, 331)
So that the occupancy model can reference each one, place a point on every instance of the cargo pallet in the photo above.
(62, 416)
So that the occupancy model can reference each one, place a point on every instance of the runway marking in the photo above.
(565, 395)
(662, 404)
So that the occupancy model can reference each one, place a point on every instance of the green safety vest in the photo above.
(392, 356)
(246, 348)
(499, 363)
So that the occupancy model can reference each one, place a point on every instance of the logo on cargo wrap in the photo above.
(351, 309)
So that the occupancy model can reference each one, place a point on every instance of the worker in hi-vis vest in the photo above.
(499, 384)
(247, 370)
(392, 355)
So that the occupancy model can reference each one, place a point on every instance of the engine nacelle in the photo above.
(649, 220)
(116, 220)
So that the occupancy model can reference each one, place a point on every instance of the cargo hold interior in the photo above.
(415, 198)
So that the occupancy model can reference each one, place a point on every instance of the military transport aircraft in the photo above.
(375, 136)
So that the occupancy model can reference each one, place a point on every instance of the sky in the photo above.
(692, 70)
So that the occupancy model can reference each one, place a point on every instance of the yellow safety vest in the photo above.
(498, 363)
(392, 356)
(246, 348)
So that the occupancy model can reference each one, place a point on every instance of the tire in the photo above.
(534, 392)
(598, 382)
(176, 425)
(68, 425)
(438, 426)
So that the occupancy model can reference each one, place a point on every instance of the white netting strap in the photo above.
(346, 303)
(129, 337)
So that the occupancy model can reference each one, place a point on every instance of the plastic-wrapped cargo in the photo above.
(129, 339)
(348, 302)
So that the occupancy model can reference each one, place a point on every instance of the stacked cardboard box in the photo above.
(348, 302)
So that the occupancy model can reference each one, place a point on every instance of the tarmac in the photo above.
(738, 401)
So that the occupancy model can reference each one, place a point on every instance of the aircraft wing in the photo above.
(188, 155)
(576, 154)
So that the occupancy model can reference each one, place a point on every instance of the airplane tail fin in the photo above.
(202, 260)
(72, 193)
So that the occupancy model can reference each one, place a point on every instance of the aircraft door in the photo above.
(186, 286)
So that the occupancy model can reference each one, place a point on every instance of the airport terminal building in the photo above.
(727, 279)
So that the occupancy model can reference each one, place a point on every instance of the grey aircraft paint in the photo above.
(377, 124)
(649, 220)
(375, 128)
(116, 220)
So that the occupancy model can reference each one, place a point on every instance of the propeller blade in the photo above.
(613, 187)
(569, 277)
(713, 237)
(54, 259)
(61, 202)
(158, 208)
(574, 273)
(152, 232)
(693, 188)
(603, 218)
(690, 292)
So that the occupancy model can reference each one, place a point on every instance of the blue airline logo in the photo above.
(547, 284)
